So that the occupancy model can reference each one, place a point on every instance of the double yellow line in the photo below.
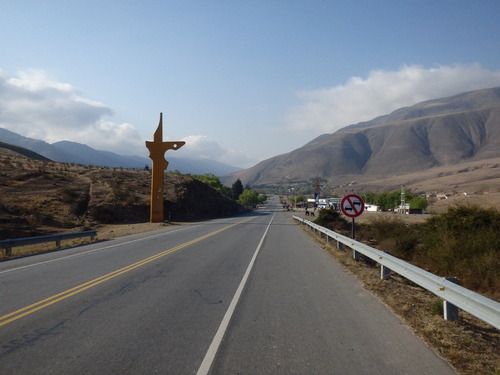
(9, 318)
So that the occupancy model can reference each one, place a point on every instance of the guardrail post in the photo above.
(340, 245)
(450, 311)
(355, 254)
(385, 272)
(8, 251)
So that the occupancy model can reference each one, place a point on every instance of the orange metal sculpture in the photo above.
(157, 150)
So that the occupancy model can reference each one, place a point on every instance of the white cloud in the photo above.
(361, 99)
(34, 105)
(203, 147)
(106, 135)
(37, 106)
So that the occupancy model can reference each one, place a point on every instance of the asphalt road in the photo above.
(246, 295)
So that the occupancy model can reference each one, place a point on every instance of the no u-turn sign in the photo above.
(352, 205)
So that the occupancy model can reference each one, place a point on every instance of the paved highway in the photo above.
(246, 295)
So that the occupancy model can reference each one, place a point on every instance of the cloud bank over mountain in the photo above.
(361, 99)
(36, 105)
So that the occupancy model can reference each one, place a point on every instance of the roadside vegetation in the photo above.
(40, 197)
(246, 197)
(462, 243)
(214, 182)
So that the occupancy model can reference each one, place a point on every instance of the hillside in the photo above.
(23, 151)
(438, 134)
(78, 153)
(41, 197)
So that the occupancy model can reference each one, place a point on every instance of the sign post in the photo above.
(352, 206)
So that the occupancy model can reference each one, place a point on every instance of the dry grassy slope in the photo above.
(39, 197)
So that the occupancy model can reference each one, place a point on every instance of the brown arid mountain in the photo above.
(449, 143)
(38, 196)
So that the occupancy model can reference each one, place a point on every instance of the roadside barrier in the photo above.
(9, 244)
(454, 296)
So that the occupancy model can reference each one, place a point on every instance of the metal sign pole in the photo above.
(353, 229)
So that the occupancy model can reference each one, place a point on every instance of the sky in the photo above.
(239, 81)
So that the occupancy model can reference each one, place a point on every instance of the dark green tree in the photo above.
(369, 197)
(418, 203)
(237, 189)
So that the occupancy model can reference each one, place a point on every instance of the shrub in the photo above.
(465, 242)
(332, 220)
(394, 236)
(406, 243)
(69, 195)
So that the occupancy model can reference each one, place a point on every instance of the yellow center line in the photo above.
(18, 314)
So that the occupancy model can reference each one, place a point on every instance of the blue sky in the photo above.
(240, 81)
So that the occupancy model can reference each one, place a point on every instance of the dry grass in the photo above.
(469, 344)
(40, 197)
(20, 251)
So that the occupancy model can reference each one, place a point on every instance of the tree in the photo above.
(418, 203)
(237, 189)
(369, 197)
(248, 198)
(262, 198)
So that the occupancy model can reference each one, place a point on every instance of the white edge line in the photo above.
(217, 340)
(83, 253)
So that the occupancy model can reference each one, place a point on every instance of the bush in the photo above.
(394, 236)
(69, 195)
(332, 220)
(465, 243)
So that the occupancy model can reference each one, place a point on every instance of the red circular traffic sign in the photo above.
(352, 205)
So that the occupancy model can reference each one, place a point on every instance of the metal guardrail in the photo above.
(10, 243)
(453, 294)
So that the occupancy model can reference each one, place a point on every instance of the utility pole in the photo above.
(317, 189)
(403, 203)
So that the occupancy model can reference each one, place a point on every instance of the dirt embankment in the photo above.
(42, 197)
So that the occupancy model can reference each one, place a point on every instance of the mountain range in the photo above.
(77, 153)
(435, 139)
(434, 134)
